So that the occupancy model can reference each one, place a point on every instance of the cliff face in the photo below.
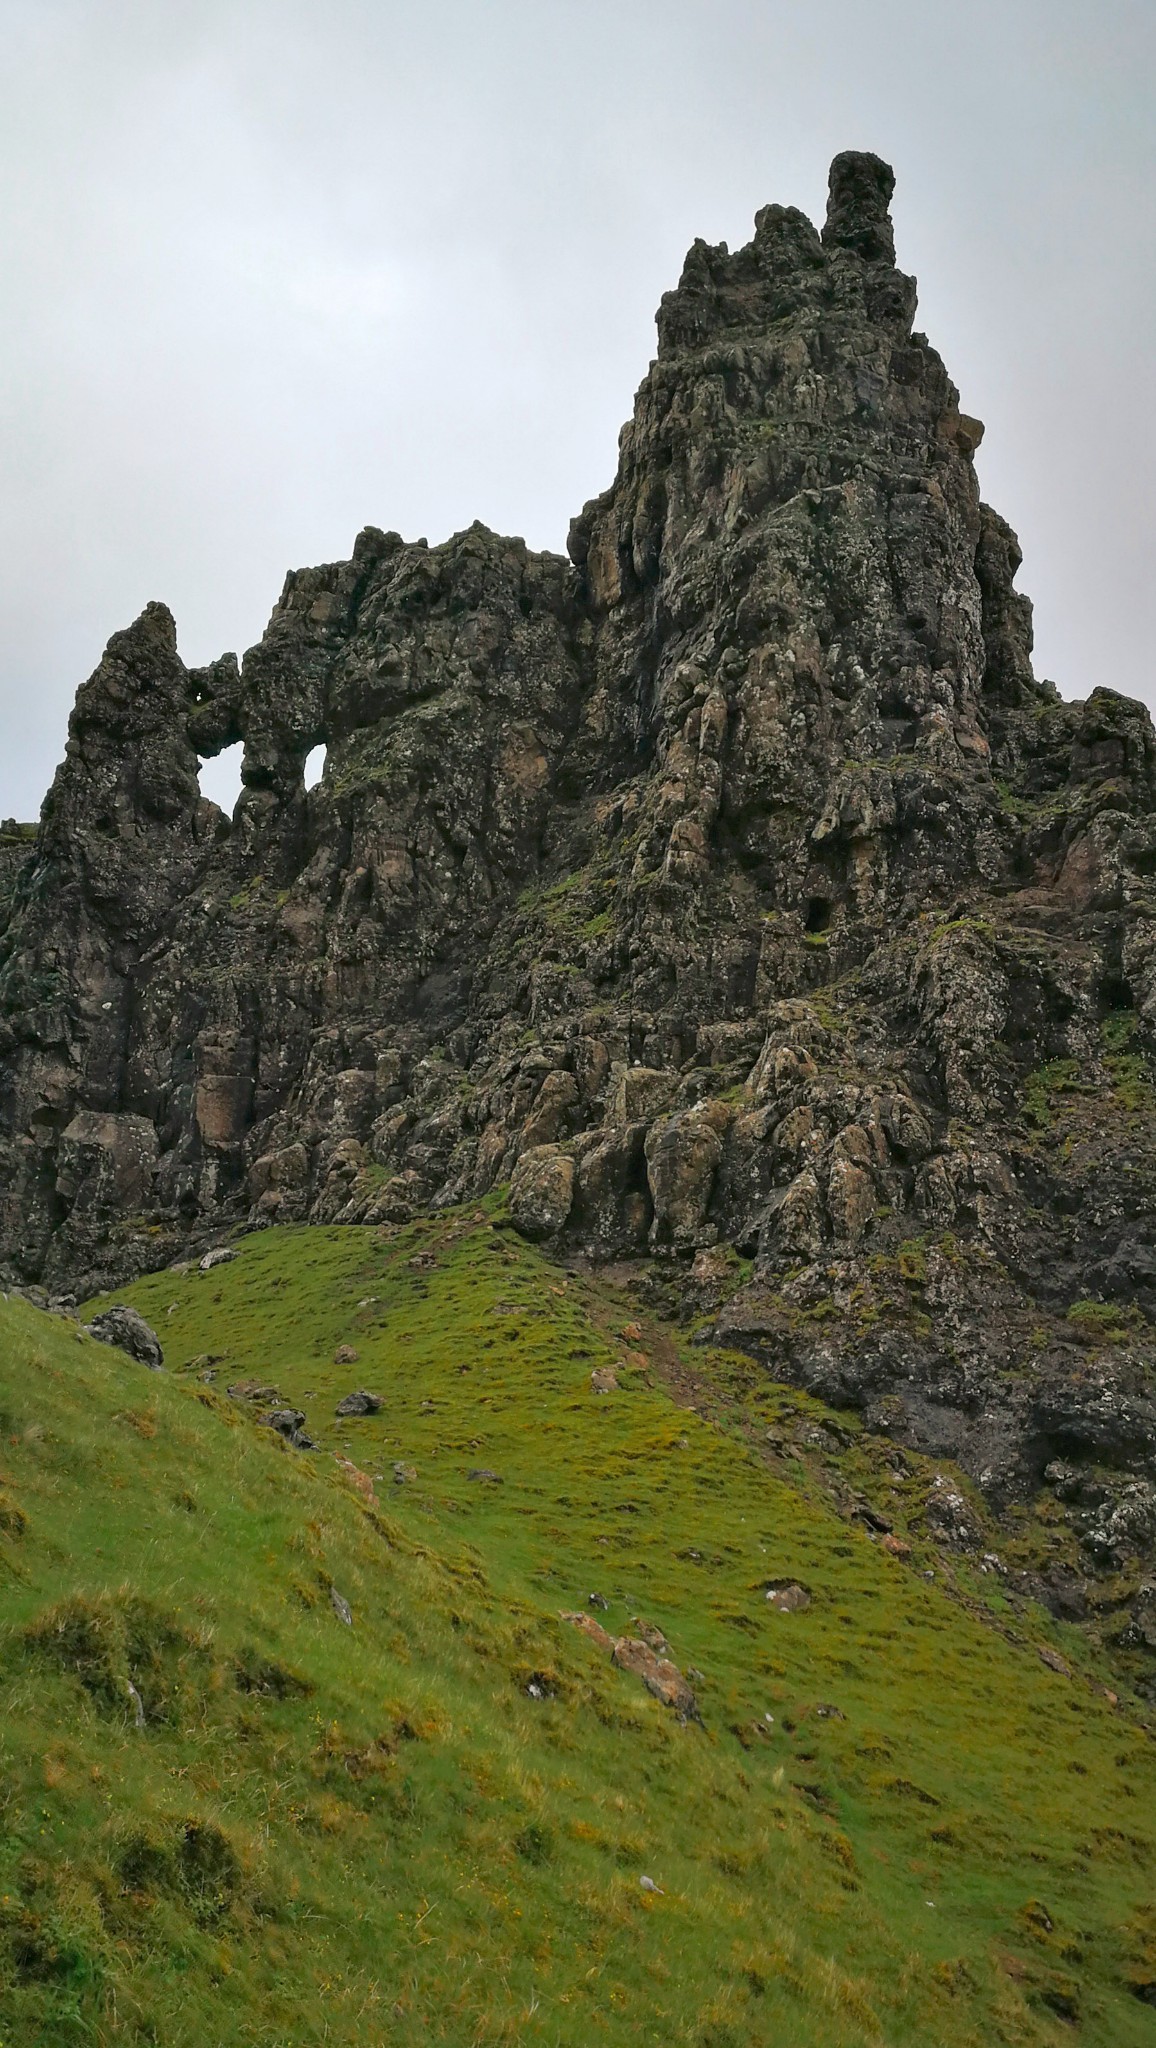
(733, 890)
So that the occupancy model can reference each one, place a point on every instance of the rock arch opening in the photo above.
(220, 777)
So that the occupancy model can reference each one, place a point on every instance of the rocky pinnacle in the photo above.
(731, 890)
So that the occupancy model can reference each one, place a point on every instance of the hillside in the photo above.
(231, 1816)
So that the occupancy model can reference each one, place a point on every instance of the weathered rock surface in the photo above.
(290, 1424)
(360, 1403)
(732, 890)
(127, 1329)
(658, 1674)
(644, 1656)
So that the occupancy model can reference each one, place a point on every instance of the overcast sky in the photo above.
(276, 269)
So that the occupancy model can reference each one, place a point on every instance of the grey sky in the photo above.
(275, 269)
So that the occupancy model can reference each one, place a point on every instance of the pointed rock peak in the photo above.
(859, 195)
(152, 633)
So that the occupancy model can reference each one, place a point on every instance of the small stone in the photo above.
(128, 1331)
(484, 1474)
(360, 1403)
(221, 1256)
(1053, 1660)
(345, 1354)
(403, 1474)
(786, 1596)
(341, 1607)
(604, 1379)
(895, 1546)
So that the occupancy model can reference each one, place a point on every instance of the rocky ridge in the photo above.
(732, 890)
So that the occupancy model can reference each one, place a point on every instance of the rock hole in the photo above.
(220, 777)
(314, 766)
(818, 913)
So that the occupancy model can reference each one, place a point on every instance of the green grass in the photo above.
(1063, 1090)
(377, 1834)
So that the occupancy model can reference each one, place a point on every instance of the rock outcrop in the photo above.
(732, 887)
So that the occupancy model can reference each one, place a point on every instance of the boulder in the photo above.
(360, 1403)
(128, 1330)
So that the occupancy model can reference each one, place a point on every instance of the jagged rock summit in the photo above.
(732, 890)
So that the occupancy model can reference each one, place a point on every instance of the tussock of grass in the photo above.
(376, 1833)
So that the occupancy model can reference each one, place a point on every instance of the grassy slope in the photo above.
(415, 1848)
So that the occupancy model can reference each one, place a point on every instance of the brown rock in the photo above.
(593, 1629)
(658, 1675)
